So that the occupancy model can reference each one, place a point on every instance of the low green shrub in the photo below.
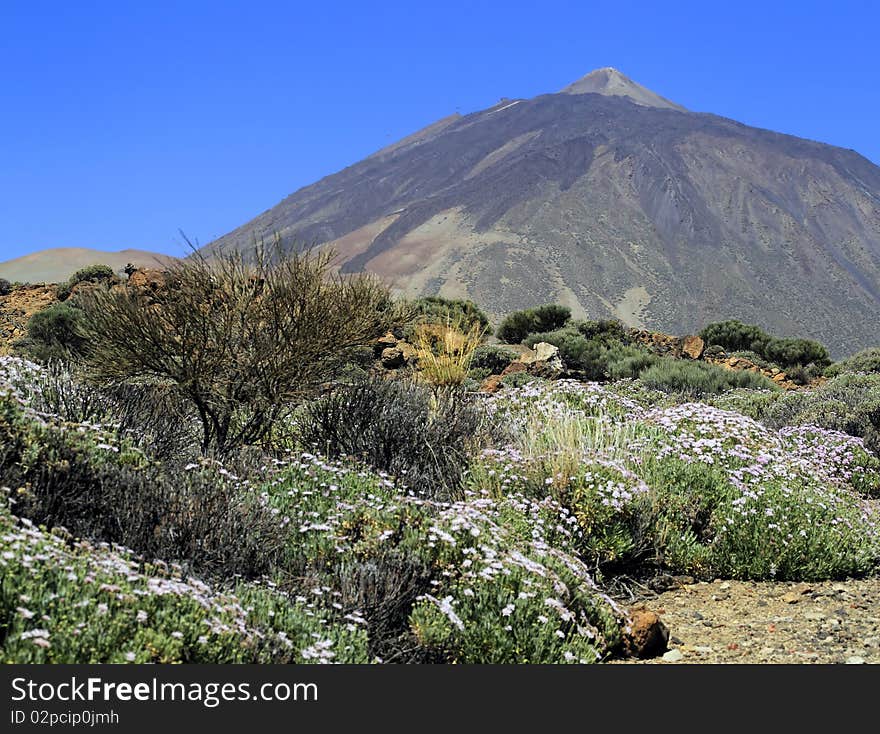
(78, 602)
(608, 330)
(478, 374)
(749, 402)
(697, 379)
(55, 333)
(88, 274)
(461, 313)
(804, 375)
(791, 352)
(627, 362)
(866, 361)
(518, 379)
(493, 358)
(735, 336)
(424, 437)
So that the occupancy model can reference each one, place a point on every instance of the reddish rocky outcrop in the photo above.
(16, 309)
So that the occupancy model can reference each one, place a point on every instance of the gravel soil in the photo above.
(769, 622)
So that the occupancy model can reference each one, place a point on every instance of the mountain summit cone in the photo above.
(610, 82)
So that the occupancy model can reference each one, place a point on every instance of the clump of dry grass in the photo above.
(445, 350)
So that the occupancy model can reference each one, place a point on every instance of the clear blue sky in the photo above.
(122, 122)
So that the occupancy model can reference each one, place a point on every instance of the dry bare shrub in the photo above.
(242, 340)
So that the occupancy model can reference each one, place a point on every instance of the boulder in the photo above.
(491, 384)
(549, 363)
(648, 636)
(384, 342)
(147, 278)
(392, 358)
(657, 342)
(693, 347)
(410, 353)
(514, 367)
(542, 351)
(543, 361)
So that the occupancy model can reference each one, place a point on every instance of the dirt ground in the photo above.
(769, 622)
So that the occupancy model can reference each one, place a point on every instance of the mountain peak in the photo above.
(610, 82)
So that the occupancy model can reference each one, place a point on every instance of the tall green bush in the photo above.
(736, 336)
(598, 357)
(518, 325)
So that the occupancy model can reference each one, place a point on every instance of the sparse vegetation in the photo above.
(445, 351)
(849, 403)
(518, 379)
(97, 486)
(866, 361)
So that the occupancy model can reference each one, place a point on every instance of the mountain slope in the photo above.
(58, 264)
(616, 202)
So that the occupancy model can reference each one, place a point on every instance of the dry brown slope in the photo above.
(56, 265)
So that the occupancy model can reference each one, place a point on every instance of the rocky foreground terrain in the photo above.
(768, 622)
(674, 619)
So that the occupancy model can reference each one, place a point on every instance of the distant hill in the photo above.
(617, 202)
(58, 264)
